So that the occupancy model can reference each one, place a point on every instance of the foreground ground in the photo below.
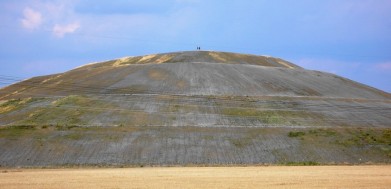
(202, 177)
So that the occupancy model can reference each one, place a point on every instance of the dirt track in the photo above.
(201, 177)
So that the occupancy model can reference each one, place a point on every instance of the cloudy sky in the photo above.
(351, 38)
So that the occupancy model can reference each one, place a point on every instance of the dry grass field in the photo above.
(378, 176)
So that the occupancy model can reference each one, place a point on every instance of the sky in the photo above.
(350, 38)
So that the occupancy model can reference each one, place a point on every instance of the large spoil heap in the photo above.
(193, 108)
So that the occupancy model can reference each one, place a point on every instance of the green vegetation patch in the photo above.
(55, 116)
(14, 104)
(377, 139)
(374, 140)
(73, 100)
(313, 133)
(367, 137)
(271, 116)
(16, 131)
(73, 110)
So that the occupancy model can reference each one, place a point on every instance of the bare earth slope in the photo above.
(194, 73)
(196, 107)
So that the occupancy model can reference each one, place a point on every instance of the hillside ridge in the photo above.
(198, 56)
(194, 73)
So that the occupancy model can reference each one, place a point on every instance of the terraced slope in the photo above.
(197, 108)
(194, 73)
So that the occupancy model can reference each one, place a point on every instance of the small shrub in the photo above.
(302, 163)
(23, 127)
(296, 134)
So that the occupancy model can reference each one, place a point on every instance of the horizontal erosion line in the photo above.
(210, 96)
(220, 98)
(222, 107)
(258, 118)
(300, 108)
(204, 126)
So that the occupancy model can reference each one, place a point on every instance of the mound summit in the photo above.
(193, 108)
(194, 73)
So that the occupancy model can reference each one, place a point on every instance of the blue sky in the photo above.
(351, 38)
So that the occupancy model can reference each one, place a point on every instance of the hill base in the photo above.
(51, 146)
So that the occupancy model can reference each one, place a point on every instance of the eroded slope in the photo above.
(197, 108)
(202, 78)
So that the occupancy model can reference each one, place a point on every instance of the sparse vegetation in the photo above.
(269, 117)
(155, 145)
(208, 137)
(302, 163)
(14, 104)
(169, 114)
(65, 127)
(278, 117)
(73, 136)
(240, 142)
(322, 132)
(364, 137)
(73, 100)
(15, 131)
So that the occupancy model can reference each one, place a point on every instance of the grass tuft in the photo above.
(296, 134)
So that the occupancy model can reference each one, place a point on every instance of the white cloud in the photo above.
(383, 66)
(56, 17)
(32, 19)
(61, 30)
